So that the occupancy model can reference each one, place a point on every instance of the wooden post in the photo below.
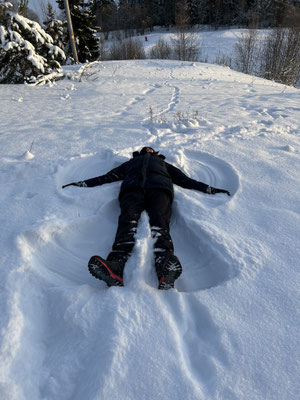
(71, 32)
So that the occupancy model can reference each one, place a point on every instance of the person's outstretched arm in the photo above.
(180, 179)
(116, 174)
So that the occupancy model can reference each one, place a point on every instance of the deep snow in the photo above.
(230, 329)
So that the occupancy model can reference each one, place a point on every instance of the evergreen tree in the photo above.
(242, 14)
(83, 21)
(26, 50)
(154, 11)
(271, 12)
(206, 12)
(193, 11)
(106, 14)
(169, 12)
(57, 29)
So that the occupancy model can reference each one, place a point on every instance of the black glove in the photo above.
(80, 184)
(212, 190)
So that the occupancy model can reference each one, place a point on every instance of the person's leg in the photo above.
(167, 265)
(159, 209)
(111, 269)
(131, 205)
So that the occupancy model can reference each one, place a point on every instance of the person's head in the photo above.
(147, 149)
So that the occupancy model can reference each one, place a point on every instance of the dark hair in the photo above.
(144, 150)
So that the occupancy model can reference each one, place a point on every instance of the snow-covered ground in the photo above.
(230, 329)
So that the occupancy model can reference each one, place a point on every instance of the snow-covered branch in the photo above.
(26, 50)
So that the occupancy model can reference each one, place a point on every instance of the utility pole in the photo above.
(71, 32)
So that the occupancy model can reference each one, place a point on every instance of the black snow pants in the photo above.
(157, 203)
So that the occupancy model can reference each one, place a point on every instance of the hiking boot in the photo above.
(168, 269)
(111, 272)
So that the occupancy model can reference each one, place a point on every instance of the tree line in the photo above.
(144, 14)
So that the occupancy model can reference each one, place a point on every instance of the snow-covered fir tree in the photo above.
(26, 50)
(83, 19)
(57, 29)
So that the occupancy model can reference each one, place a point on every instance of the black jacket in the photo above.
(148, 171)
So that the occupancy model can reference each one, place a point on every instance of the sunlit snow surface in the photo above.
(229, 330)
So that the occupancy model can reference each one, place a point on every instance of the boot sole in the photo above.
(171, 271)
(100, 270)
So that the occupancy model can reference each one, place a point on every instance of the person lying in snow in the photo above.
(147, 185)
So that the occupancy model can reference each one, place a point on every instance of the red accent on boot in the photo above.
(110, 271)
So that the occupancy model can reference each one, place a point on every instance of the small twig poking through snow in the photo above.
(28, 155)
(151, 113)
(161, 119)
(178, 117)
(31, 146)
(115, 70)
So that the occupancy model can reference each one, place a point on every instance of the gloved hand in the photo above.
(80, 184)
(212, 190)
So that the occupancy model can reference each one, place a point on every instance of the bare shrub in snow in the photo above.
(280, 56)
(26, 50)
(185, 44)
(102, 48)
(127, 49)
(222, 59)
(161, 50)
(275, 57)
(246, 52)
